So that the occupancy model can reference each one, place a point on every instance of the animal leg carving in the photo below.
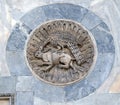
(49, 68)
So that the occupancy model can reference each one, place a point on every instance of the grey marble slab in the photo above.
(91, 20)
(54, 11)
(16, 41)
(100, 99)
(16, 63)
(104, 40)
(39, 101)
(93, 80)
(94, 99)
(104, 26)
(47, 92)
(7, 84)
(25, 83)
(24, 98)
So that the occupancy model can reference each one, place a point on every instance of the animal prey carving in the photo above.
(60, 52)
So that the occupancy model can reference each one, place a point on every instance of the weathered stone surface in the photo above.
(101, 70)
(99, 99)
(48, 92)
(51, 95)
(91, 20)
(15, 61)
(4, 70)
(65, 103)
(104, 26)
(55, 11)
(7, 84)
(24, 98)
(16, 41)
(25, 83)
(60, 52)
(104, 99)
(104, 40)
(71, 11)
(39, 101)
(115, 87)
(104, 88)
(93, 80)
(75, 91)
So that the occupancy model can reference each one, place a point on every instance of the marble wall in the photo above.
(10, 13)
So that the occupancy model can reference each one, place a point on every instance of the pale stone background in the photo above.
(109, 10)
(4, 102)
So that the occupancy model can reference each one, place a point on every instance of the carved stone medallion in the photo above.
(60, 52)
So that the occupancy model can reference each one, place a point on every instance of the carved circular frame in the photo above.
(78, 33)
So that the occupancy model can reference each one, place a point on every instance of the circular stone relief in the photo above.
(60, 52)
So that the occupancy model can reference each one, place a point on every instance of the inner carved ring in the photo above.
(60, 52)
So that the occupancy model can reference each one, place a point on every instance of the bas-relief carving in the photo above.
(60, 52)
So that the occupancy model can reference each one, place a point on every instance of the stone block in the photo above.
(16, 63)
(16, 41)
(54, 11)
(24, 98)
(104, 40)
(71, 11)
(24, 83)
(99, 99)
(7, 84)
(91, 20)
(101, 70)
(49, 92)
(39, 101)
(104, 26)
